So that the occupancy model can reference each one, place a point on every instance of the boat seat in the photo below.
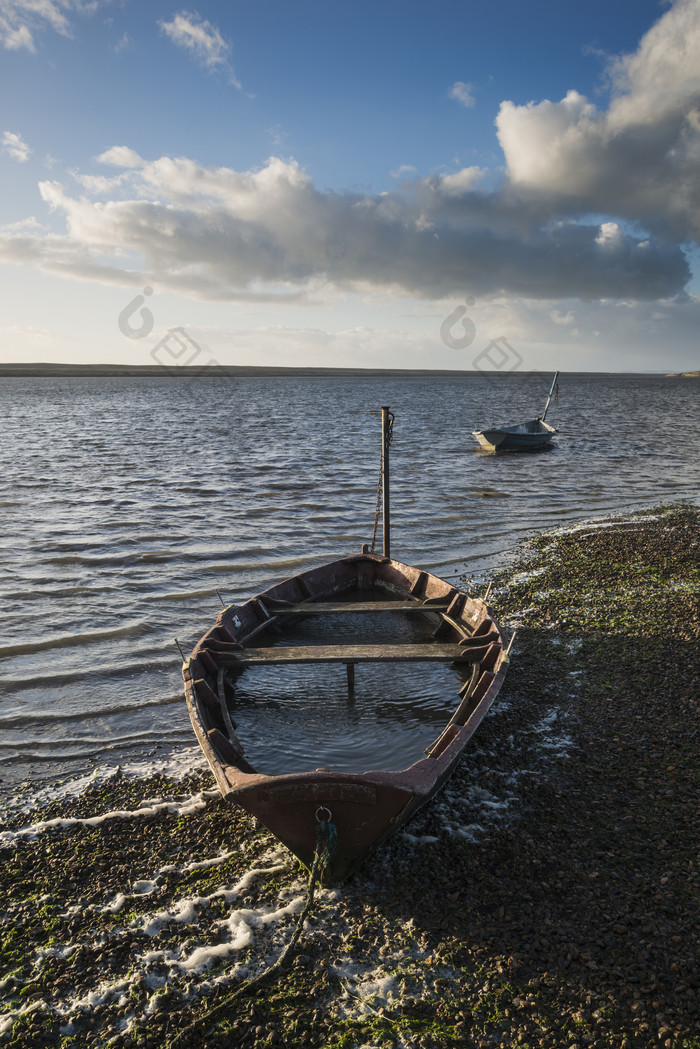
(420, 653)
(315, 608)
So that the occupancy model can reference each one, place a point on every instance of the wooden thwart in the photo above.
(434, 653)
(315, 608)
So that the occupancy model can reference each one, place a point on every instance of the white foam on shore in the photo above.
(147, 886)
(143, 888)
(185, 806)
(9, 981)
(633, 519)
(524, 576)
(53, 952)
(374, 992)
(186, 911)
(552, 738)
(116, 905)
(105, 993)
(366, 992)
(116, 991)
(479, 802)
(487, 794)
(420, 839)
(239, 929)
(179, 764)
(9, 1018)
(201, 865)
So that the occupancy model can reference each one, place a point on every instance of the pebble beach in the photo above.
(548, 897)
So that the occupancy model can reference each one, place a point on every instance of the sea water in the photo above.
(127, 503)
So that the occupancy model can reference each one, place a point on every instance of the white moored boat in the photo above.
(520, 437)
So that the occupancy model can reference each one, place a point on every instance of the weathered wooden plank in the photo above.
(225, 713)
(434, 653)
(316, 608)
(419, 585)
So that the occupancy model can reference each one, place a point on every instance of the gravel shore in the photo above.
(547, 897)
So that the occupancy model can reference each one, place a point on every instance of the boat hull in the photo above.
(521, 437)
(365, 807)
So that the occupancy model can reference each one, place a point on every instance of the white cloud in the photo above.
(216, 233)
(565, 319)
(611, 236)
(462, 93)
(23, 226)
(402, 170)
(15, 146)
(543, 139)
(99, 184)
(462, 181)
(639, 159)
(20, 20)
(120, 157)
(221, 234)
(203, 41)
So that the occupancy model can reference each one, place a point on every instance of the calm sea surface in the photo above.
(125, 503)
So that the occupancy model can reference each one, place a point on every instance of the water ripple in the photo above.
(119, 524)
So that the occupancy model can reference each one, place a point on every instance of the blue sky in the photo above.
(379, 185)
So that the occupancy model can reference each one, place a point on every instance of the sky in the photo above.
(445, 185)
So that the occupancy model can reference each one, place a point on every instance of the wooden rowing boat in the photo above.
(365, 807)
(520, 437)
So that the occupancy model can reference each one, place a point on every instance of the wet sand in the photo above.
(548, 897)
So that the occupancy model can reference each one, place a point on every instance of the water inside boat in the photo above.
(300, 718)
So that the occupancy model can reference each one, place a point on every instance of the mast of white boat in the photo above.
(554, 383)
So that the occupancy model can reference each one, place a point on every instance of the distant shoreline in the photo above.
(243, 371)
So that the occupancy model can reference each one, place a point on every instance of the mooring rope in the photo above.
(326, 841)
